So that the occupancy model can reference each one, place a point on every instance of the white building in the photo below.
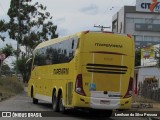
(144, 26)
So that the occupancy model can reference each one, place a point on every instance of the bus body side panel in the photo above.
(60, 76)
(34, 81)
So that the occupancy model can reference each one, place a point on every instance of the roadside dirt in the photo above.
(143, 104)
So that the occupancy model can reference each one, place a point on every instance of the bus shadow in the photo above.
(83, 114)
(45, 105)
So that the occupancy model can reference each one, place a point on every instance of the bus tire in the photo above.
(60, 105)
(35, 101)
(54, 102)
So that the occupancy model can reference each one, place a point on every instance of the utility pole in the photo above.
(101, 26)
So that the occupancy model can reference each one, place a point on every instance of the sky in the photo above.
(73, 16)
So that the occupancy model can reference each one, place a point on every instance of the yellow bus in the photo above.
(87, 70)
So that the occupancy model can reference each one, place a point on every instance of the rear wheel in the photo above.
(54, 102)
(61, 105)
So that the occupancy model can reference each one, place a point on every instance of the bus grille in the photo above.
(106, 69)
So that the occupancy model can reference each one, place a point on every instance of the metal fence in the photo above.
(149, 89)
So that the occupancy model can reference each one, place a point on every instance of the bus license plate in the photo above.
(104, 102)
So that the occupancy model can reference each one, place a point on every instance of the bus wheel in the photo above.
(54, 102)
(61, 106)
(35, 101)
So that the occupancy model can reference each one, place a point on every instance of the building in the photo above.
(144, 26)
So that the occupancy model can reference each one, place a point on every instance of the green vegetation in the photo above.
(8, 50)
(35, 24)
(29, 24)
(9, 86)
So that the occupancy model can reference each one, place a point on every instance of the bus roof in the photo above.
(56, 40)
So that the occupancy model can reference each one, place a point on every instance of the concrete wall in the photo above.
(121, 21)
(119, 17)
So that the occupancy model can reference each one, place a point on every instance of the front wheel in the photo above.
(35, 101)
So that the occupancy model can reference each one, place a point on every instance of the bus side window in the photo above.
(36, 59)
(48, 60)
(72, 43)
(77, 43)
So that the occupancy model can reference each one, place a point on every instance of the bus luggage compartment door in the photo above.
(106, 79)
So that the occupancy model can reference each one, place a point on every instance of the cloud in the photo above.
(62, 31)
(91, 9)
(60, 20)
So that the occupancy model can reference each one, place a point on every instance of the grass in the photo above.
(10, 86)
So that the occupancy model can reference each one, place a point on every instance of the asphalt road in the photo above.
(23, 103)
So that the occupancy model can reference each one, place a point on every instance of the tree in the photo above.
(3, 28)
(34, 24)
(138, 57)
(29, 25)
(21, 65)
(8, 50)
(5, 69)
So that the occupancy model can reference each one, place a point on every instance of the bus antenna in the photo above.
(101, 26)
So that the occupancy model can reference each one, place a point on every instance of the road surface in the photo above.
(23, 103)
